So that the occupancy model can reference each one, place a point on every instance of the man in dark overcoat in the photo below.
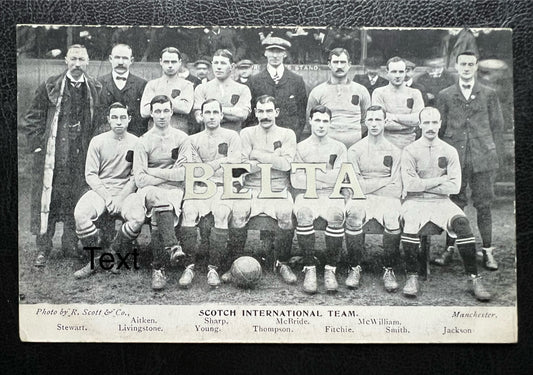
(472, 122)
(286, 87)
(59, 125)
(120, 86)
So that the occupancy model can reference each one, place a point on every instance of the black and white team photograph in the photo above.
(265, 166)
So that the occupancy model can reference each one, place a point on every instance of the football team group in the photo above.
(120, 146)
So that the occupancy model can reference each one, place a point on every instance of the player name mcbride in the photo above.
(346, 178)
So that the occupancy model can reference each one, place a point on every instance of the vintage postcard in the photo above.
(266, 185)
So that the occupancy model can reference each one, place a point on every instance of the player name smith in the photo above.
(201, 173)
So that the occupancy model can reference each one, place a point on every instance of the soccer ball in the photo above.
(246, 272)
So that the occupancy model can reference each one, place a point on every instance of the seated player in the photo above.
(275, 146)
(377, 165)
(319, 148)
(431, 172)
(213, 146)
(108, 172)
(159, 174)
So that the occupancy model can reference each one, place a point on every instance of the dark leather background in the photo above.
(259, 359)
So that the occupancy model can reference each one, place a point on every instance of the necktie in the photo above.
(467, 87)
(76, 85)
(119, 78)
(276, 78)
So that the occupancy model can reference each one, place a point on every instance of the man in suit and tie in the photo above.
(371, 79)
(286, 87)
(472, 122)
(123, 87)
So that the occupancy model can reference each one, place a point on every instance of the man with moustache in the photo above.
(159, 173)
(319, 148)
(472, 122)
(179, 90)
(401, 103)
(347, 100)
(214, 146)
(431, 172)
(108, 172)
(121, 86)
(286, 87)
(268, 143)
(59, 125)
(376, 162)
(234, 97)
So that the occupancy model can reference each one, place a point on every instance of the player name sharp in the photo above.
(379, 322)
(281, 313)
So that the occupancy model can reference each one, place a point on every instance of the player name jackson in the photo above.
(346, 178)
(455, 330)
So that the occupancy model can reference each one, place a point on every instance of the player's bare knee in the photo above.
(221, 214)
(189, 214)
(461, 225)
(304, 216)
(284, 219)
(335, 217)
(354, 217)
(239, 218)
(391, 220)
(84, 214)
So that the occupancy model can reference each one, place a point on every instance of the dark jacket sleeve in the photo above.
(34, 122)
(496, 121)
(443, 109)
(302, 107)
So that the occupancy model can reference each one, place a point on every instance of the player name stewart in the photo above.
(201, 173)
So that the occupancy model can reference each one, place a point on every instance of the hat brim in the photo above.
(275, 46)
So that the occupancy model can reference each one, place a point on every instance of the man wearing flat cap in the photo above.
(201, 68)
(244, 71)
(285, 86)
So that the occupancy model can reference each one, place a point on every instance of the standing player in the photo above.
(401, 103)
(162, 151)
(319, 148)
(431, 172)
(347, 100)
(472, 122)
(179, 90)
(377, 165)
(234, 97)
(108, 172)
(268, 143)
(214, 146)
(120, 86)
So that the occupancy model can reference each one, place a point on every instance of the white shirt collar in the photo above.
(272, 71)
(409, 83)
(466, 92)
(373, 80)
(81, 79)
